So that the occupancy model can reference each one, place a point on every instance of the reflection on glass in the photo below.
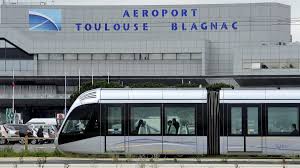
(252, 114)
(236, 120)
(180, 120)
(114, 120)
(75, 126)
(82, 120)
(145, 120)
(283, 120)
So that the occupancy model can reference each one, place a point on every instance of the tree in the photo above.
(97, 84)
(218, 86)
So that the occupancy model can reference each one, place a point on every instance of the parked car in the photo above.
(8, 134)
(23, 130)
(42, 121)
(3, 135)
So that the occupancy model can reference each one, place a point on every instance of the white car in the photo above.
(8, 134)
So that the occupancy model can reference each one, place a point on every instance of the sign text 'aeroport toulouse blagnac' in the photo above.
(160, 14)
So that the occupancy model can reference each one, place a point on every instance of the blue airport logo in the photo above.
(45, 20)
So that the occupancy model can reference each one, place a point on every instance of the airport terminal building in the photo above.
(241, 44)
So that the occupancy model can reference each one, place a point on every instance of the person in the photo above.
(81, 126)
(171, 130)
(169, 123)
(176, 125)
(137, 128)
(40, 134)
(295, 131)
(143, 129)
(184, 129)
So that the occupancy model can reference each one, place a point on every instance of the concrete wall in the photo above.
(34, 92)
(258, 23)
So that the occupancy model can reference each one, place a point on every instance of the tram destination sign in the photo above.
(170, 17)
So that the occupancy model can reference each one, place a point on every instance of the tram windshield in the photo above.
(83, 122)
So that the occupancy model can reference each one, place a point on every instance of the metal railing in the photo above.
(25, 140)
(26, 2)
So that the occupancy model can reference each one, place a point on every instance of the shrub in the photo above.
(97, 84)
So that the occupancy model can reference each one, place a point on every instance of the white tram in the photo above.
(174, 121)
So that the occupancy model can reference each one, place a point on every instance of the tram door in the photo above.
(114, 139)
(245, 129)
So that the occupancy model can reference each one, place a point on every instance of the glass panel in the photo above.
(155, 56)
(180, 120)
(185, 56)
(252, 114)
(99, 56)
(145, 120)
(169, 56)
(126, 56)
(113, 56)
(236, 120)
(283, 120)
(114, 120)
(13, 65)
(196, 56)
(82, 120)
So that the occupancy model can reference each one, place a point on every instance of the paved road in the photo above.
(152, 165)
(146, 161)
(19, 147)
(32, 162)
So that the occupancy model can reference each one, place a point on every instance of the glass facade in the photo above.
(271, 64)
(13, 58)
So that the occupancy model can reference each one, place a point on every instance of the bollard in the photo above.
(26, 142)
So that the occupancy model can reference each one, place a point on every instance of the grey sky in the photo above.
(295, 5)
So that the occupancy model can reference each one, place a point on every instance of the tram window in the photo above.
(114, 120)
(83, 120)
(145, 120)
(179, 120)
(252, 115)
(236, 120)
(283, 121)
